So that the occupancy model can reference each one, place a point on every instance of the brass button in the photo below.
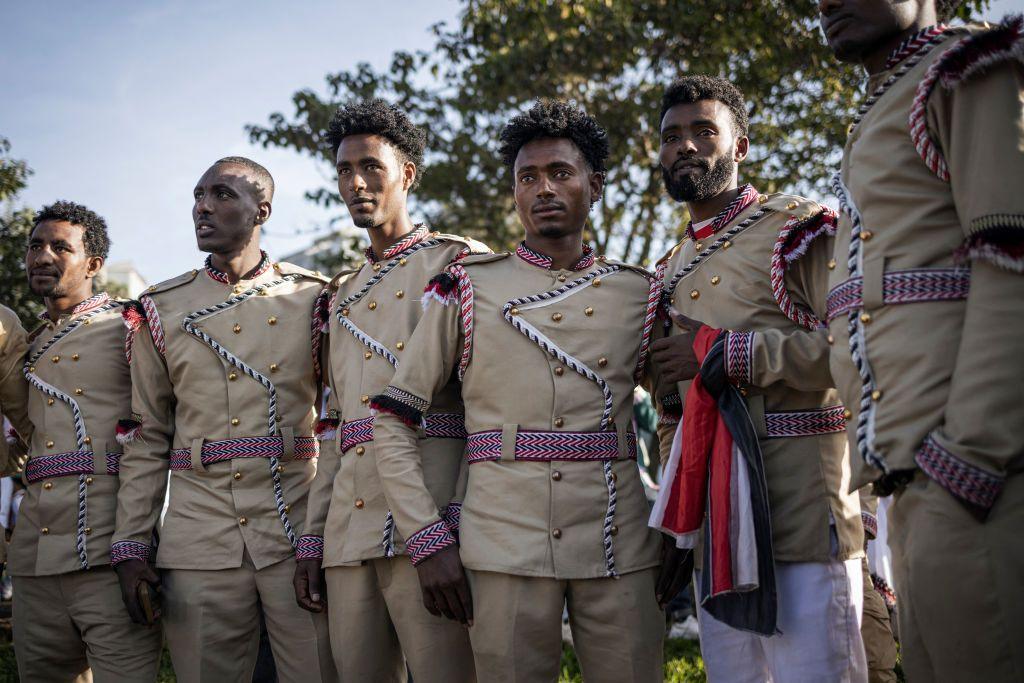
(556, 533)
(49, 444)
(402, 261)
(865, 317)
(364, 398)
(367, 355)
(88, 480)
(243, 521)
(699, 246)
(559, 371)
(360, 450)
(56, 359)
(237, 475)
(235, 422)
(615, 477)
(272, 320)
(715, 279)
(694, 294)
(372, 305)
(614, 530)
(559, 422)
(588, 311)
(556, 317)
(561, 277)
(49, 402)
(88, 530)
(48, 485)
(831, 264)
(831, 339)
(287, 508)
(847, 414)
(761, 199)
(597, 282)
(79, 391)
(556, 475)
(279, 469)
(514, 311)
(238, 289)
(602, 361)
(75, 356)
(726, 244)
(359, 503)
(262, 292)
(865, 235)
(87, 440)
(273, 367)
(232, 376)
(344, 311)
(400, 345)
(376, 267)
(791, 206)
(45, 530)
(399, 294)
(237, 328)
(875, 395)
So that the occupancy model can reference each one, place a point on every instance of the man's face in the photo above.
(373, 179)
(854, 27)
(228, 207)
(699, 152)
(554, 187)
(56, 261)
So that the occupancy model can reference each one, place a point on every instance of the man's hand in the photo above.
(445, 588)
(676, 571)
(308, 583)
(674, 355)
(132, 573)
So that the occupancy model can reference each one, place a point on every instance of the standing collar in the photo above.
(913, 44)
(747, 196)
(220, 276)
(93, 302)
(540, 260)
(418, 234)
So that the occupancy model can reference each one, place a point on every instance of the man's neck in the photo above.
(875, 60)
(237, 264)
(709, 208)
(564, 251)
(63, 305)
(383, 237)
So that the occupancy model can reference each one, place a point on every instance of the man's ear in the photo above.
(742, 148)
(93, 266)
(596, 186)
(263, 211)
(409, 172)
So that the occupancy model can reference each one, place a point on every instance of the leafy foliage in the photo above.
(15, 228)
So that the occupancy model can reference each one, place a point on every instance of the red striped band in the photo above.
(547, 446)
(438, 426)
(67, 464)
(902, 287)
(306, 448)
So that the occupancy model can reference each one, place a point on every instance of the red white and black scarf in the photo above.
(418, 234)
(747, 196)
(544, 261)
(93, 302)
(220, 276)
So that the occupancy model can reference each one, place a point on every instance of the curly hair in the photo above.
(556, 119)
(377, 117)
(690, 89)
(264, 181)
(94, 228)
(947, 9)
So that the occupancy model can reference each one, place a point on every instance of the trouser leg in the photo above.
(875, 631)
(47, 644)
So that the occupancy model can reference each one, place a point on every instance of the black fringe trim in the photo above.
(405, 413)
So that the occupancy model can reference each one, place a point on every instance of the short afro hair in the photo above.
(556, 119)
(94, 228)
(264, 180)
(377, 117)
(690, 89)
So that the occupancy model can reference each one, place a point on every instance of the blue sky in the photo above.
(122, 105)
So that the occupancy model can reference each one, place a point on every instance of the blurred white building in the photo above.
(125, 274)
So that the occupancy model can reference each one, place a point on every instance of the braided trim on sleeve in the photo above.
(975, 488)
(134, 316)
(429, 541)
(156, 329)
(793, 241)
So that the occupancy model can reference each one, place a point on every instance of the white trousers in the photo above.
(820, 607)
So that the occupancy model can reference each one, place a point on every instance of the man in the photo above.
(923, 306)
(225, 377)
(373, 594)
(67, 613)
(548, 342)
(13, 392)
(754, 266)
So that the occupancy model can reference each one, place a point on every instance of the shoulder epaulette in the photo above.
(639, 270)
(475, 247)
(671, 252)
(336, 281)
(792, 205)
(286, 268)
(478, 259)
(167, 285)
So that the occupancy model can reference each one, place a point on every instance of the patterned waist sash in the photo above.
(438, 425)
(547, 446)
(306, 448)
(902, 287)
(828, 420)
(67, 464)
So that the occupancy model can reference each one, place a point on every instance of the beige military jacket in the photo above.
(225, 381)
(759, 275)
(369, 320)
(925, 302)
(548, 360)
(13, 388)
(79, 390)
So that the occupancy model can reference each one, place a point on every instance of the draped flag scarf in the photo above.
(714, 487)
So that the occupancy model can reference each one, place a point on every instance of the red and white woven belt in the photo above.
(306, 448)
(828, 420)
(438, 425)
(902, 287)
(67, 464)
(547, 446)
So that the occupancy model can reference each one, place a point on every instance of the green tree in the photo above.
(614, 58)
(15, 227)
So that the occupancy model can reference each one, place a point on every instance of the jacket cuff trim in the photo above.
(429, 541)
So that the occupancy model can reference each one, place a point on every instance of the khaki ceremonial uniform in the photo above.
(224, 385)
(374, 597)
(924, 307)
(13, 389)
(68, 613)
(554, 505)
